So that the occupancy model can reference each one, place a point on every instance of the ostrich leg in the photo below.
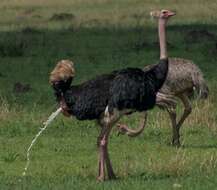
(102, 143)
(124, 129)
(106, 123)
(187, 104)
(111, 174)
(175, 137)
(177, 125)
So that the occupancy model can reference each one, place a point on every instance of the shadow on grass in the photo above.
(29, 41)
(208, 146)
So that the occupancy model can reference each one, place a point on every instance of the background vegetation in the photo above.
(100, 36)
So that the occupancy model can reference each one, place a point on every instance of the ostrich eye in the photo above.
(164, 12)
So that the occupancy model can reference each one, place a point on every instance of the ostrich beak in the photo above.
(171, 13)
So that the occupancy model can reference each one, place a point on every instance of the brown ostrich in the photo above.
(108, 97)
(182, 79)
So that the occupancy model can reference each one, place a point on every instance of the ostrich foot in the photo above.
(101, 178)
(111, 176)
(176, 142)
(122, 129)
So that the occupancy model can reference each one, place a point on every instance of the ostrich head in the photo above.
(62, 75)
(163, 14)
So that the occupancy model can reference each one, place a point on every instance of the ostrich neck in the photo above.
(162, 38)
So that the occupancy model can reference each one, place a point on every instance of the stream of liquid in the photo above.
(49, 120)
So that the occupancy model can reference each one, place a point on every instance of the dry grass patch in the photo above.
(175, 166)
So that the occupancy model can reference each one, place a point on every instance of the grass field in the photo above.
(100, 36)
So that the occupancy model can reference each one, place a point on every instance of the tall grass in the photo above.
(122, 13)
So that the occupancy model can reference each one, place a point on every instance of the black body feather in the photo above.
(129, 88)
(89, 100)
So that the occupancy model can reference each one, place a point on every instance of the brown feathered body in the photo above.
(183, 77)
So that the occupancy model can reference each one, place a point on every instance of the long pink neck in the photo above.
(162, 38)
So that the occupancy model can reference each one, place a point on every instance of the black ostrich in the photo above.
(107, 97)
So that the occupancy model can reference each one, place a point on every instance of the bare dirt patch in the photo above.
(62, 17)
(20, 88)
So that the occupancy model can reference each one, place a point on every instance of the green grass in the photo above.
(103, 36)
